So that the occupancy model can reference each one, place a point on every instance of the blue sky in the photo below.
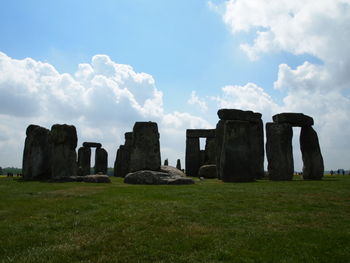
(185, 46)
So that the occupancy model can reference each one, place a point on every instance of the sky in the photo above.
(102, 65)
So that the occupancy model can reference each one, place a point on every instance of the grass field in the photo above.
(211, 221)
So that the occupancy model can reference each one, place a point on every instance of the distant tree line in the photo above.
(13, 170)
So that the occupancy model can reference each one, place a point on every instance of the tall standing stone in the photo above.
(312, 158)
(37, 154)
(101, 161)
(178, 164)
(279, 151)
(64, 141)
(210, 151)
(145, 152)
(193, 156)
(166, 162)
(219, 138)
(84, 160)
(122, 162)
(257, 147)
(236, 153)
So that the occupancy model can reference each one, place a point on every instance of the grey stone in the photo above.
(92, 144)
(166, 162)
(208, 171)
(279, 151)
(312, 158)
(178, 164)
(172, 171)
(218, 141)
(197, 133)
(240, 115)
(145, 152)
(294, 119)
(193, 157)
(37, 154)
(64, 141)
(236, 155)
(155, 178)
(101, 161)
(257, 148)
(84, 160)
(92, 178)
(210, 151)
(122, 162)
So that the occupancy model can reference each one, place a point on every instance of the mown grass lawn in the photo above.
(211, 221)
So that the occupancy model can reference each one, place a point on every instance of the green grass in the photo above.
(211, 221)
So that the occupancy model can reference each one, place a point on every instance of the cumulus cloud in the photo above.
(195, 100)
(102, 99)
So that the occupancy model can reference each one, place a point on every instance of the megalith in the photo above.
(101, 161)
(219, 138)
(166, 162)
(84, 160)
(313, 168)
(210, 151)
(279, 151)
(178, 164)
(145, 152)
(257, 147)
(37, 154)
(193, 156)
(122, 162)
(64, 141)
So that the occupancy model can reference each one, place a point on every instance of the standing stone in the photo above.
(37, 154)
(312, 158)
(101, 161)
(145, 152)
(219, 138)
(178, 164)
(294, 119)
(166, 162)
(122, 162)
(64, 141)
(202, 154)
(193, 157)
(210, 151)
(84, 160)
(257, 148)
(279, 151)
(236, 154)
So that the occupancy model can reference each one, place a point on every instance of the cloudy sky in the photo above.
(102, 65)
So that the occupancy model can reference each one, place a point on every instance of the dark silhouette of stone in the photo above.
(257, 148)
(155, 178)
(294, 119)
(101, 161)
(122, 162)
(193, 156)
(92, 178)
(236, 155)
(210, 151)
(37, 154)
(178, 164)
(197, 133)
(64, 141)
(219, 140)
(208, 171)
(312, 158)
(92, 144)
(166, 162)
(84, 160)
(240, 115)
(145, 152)
(279, 151)
(202, 154)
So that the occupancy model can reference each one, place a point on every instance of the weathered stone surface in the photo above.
(218, 141)
(193, 157)
(202, 154)
(210, 151)
(312, 158)
(208, 171)
(172, 171)
(235, 161)
(145, 152)
(279, 151)
(37, 154)
(122, 162)
(92, 178)
(166, 162)
(197, 133)
(101, 161)
(235, 114)
(92, 144)
(178, 164)
(84, 160)
(294, 119)
(155, 178)
(64, 141)
(257, 148)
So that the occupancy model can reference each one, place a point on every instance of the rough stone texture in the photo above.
(155, 178)
(208, 171)
(218, 141)
(279, 151)
(234, 114)
(312, 158)
(92, 144)
(145, 152)
(166, 162)
(197, 133)
(193, 157)
(64, 141)
(257, 148)
(210, 151)
(101, 161)
(92, 178)
(172, 171)
(236, 153)
(122, 162)
(294, 119)
(84, 160)
(202, 154)
(37, 154)
(178, 164)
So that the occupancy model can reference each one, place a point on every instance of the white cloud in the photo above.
(195, 100)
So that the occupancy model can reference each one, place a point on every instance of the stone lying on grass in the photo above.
(172, 171)
(208, 171)
(92, 178)
(155, 178)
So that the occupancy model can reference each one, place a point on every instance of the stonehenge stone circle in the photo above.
(155, 178)
(166, 162)
(178, 164)
(84, 160)
(101, 161)
(122, 162)
(210, 151)
(37, 154)
(294, 119)
(92, 144)
(207, 171)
